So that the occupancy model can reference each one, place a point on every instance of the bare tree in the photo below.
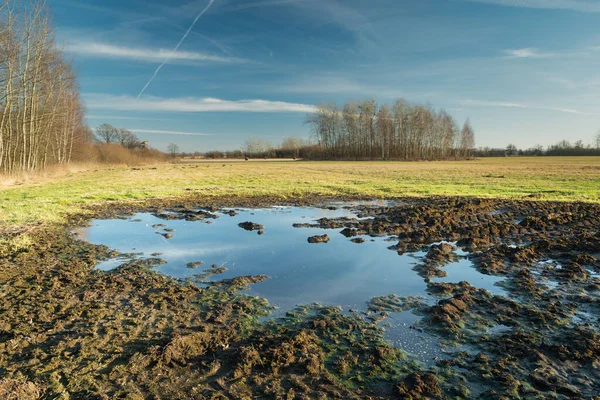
(126, 138)
(257, 147)
(294, 144)
(40, 108)
(597, 139)
(107, 133)
(362, 130)
(173, 149)
(467, 139)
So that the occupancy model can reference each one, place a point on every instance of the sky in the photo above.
(209, 74)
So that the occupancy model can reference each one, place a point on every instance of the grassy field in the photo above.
(48, 200)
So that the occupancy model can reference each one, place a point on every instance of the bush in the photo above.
(117, 154)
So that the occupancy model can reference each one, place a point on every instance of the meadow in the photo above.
(50, 198)
(523, 292)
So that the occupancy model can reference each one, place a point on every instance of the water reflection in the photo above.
(338, 273)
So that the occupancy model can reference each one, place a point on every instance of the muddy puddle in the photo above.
(345, 272)
(492, 299)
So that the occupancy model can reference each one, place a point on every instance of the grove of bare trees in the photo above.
(402, 131)
(41, 113)
(108, 134)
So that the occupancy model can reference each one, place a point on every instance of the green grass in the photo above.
(547, 178)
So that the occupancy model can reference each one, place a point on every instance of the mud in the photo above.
(319, 239)
(68, 330)
(251, 226)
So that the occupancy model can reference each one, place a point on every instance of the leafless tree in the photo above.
(127, 139)
(107, 133)
(40, 108)
(173, 149)
(293, 144)
(257, 147)
(363, 130)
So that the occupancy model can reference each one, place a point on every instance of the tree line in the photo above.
(41, 113)
(402, 131)
(561, 148)
(254, 147)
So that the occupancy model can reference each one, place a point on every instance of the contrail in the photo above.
(210, 3)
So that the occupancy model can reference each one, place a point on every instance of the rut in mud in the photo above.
(68, 327)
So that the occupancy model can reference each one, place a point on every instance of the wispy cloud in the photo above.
(572, 84)
(575, 5)
(170, 132)
(484, 103)
(527, 53)
(105, 50)
(106, 117)
(190, 104)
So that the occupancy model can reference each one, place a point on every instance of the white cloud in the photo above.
(575, 5)
(483, 103)
(105, 117)
(527, 53)
(105, 50)
(190, 104)
(170, 132)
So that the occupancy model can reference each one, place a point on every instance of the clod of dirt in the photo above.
(533, 222)
(351, 232)
(12, 389)
(194, 265)
(318, 239)
(440, 254)
(251, 226)
(420, 385)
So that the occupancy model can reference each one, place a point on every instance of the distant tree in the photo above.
(107, 133)
(536, 150)
(467, 139)
(294, 144)
(126, 138)
(257, 146)
(173, 149)
(511, 150)
(597, 139)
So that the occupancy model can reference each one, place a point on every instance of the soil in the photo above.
(70, 331)
(319, 239)
(251, 226)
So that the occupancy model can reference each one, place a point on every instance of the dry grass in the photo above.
(52, 197)
(39, 177)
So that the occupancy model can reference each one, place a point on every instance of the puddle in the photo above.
(337, 273)
(464, 271)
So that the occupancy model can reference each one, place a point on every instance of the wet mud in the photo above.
(70, 331)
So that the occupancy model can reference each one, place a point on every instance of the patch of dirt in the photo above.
(251, 226)
(319, 239)
(70, 331)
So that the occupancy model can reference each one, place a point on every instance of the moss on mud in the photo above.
(68, 330)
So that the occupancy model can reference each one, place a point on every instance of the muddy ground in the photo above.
(68, 331)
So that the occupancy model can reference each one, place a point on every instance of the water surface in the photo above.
(338, 273)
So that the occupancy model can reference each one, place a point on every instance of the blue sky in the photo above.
(525, 71)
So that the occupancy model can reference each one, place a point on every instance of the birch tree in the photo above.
(40, 106)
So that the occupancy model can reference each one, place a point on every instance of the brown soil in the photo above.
(70, 331)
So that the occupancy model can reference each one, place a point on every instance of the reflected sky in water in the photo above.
(338, 273)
